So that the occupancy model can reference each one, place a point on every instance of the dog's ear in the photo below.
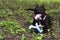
(36, 7)
(43, 7)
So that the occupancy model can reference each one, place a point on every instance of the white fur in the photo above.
(38, 27)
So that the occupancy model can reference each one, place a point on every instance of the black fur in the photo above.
(47, 22)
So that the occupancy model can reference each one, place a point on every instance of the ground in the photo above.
(14, 20)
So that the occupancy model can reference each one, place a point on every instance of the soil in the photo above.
(2, 18)
(22, 22)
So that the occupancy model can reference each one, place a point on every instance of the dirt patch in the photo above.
(1, 29)
(2, 18)
(48, 37)
(17, 37)
(8, 36)
(21, 19)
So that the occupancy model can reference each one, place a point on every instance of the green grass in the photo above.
(23, 37)
(12, 27)
(9, 8)
(2, 36)
(38, 36)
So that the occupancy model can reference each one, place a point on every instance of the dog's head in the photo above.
(38, 9)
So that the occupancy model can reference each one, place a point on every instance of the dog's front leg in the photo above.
(40, 30)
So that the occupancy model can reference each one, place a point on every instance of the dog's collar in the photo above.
(44, 17)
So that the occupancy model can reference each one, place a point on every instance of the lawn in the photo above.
(15, 20)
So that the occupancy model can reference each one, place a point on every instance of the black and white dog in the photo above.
(41, 21)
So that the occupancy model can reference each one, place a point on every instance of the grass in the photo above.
(23, 37)
(2, 36)
(10, 8)
(38, 36)
(12, 26)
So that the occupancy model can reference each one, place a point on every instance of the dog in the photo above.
(41, 18)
